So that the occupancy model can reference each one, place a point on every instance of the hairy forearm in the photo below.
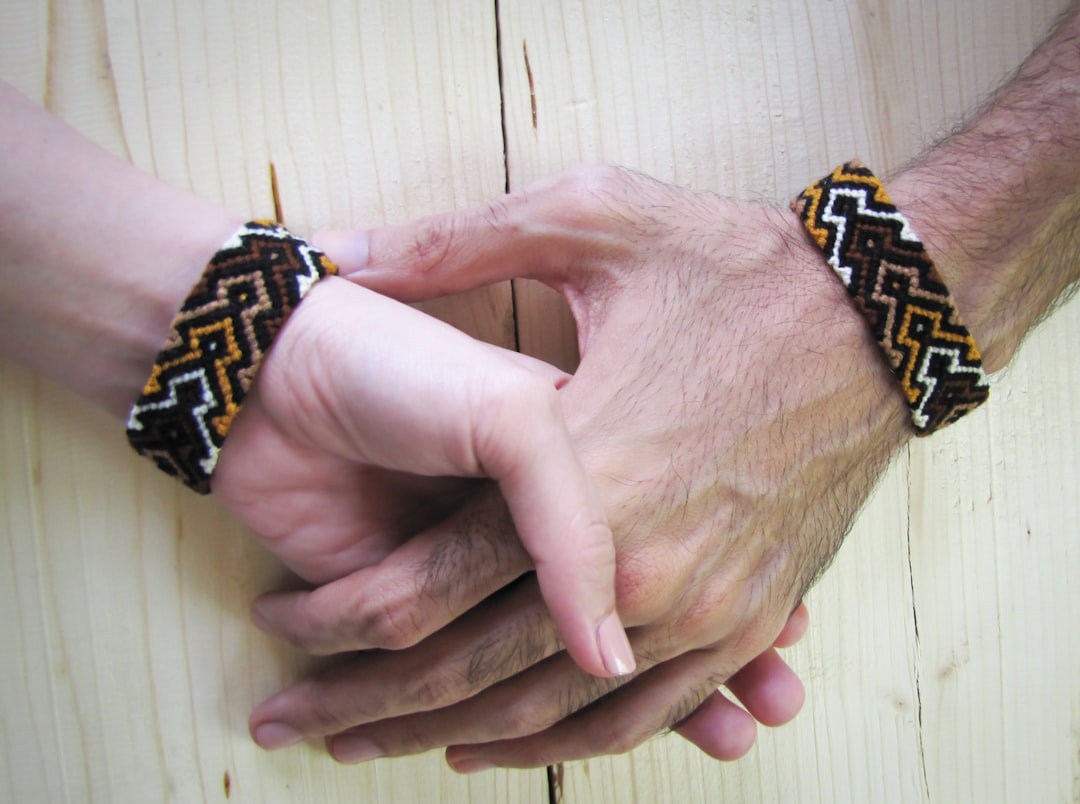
(998, 203)
(95, 256)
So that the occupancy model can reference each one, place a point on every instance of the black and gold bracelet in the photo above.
(215, 346)
(894, 284)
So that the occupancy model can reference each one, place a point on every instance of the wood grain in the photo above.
(940, 664)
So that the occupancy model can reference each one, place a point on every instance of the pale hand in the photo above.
(364, 419)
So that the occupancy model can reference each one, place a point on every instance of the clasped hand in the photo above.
(729, 415)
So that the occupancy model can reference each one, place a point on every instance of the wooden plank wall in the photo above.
(941, 660)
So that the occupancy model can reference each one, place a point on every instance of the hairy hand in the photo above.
(731, 410)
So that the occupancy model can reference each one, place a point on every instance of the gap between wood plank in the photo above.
(554, 773)
(506, 161)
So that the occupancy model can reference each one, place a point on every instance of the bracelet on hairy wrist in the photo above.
(893, 282)
(215, 346)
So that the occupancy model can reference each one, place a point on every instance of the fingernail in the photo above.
(349, 249)
(276, 735)
(614, 646)
(354, 748)
(472, 765)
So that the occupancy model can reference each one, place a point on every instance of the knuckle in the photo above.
(730, 614)
(389, 621)
(518, 396)
(521, 391)
(594, 188)
(437, 689)
(645, 587)
(440, 237)
(595, 548)
(626, 740)
(756, 634)
(391, 631)
(704, 617)
(498, 214)
(523, 718)
(589, 178)
(433, 241)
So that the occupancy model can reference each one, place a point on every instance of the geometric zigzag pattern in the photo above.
(892, 280)
(215, 346)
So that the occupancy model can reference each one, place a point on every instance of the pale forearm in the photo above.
(95, 256)
(998, 204)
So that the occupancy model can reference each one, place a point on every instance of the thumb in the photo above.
(562, 526)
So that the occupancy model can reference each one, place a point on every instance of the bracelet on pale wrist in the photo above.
(215, 346)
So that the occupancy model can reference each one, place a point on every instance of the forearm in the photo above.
(95, 256)
(998, 204)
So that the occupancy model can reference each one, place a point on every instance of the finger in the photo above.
(541, 232)
(720, 728)
(524, 704)
(541, 701)
(501, 638)
(795, 627)
(417, 589)
(769, 689)
(488, 676)
(561, 524)
(618, 722)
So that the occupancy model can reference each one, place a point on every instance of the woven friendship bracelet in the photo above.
(894, 284)
(215, 345)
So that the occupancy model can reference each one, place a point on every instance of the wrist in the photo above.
(151, 275)
(980, 278)
(98, 329)
(1004, 270)
(96, 256)
(853, 401)
(216, 345)
(998, 204)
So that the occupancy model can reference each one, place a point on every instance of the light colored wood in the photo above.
(995, 567)
(941, 658)
(129, 665)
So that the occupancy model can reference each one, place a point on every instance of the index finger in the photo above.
(549, 231)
